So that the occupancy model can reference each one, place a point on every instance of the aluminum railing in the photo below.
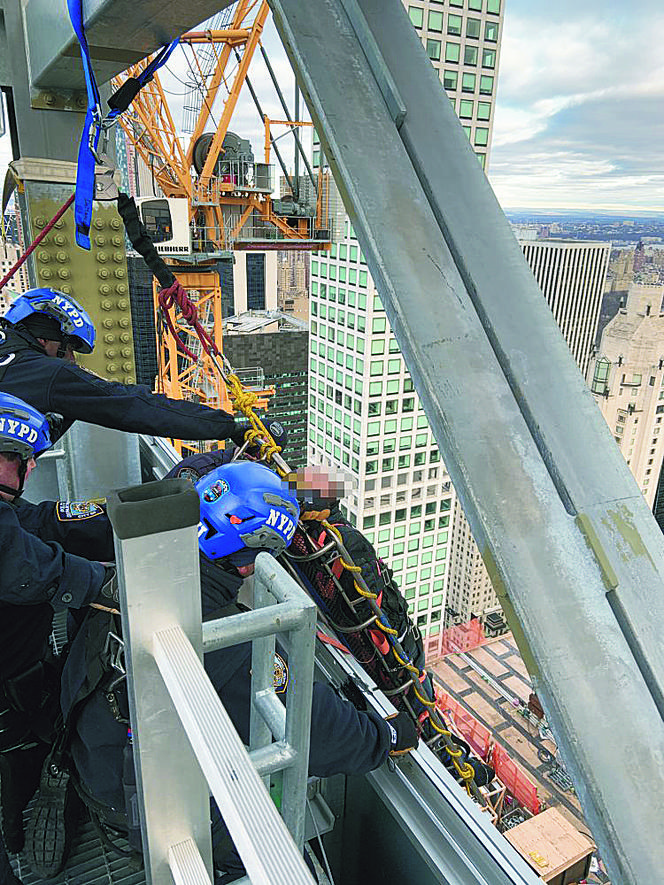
(183, 737)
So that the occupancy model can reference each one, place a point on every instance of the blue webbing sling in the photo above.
(95, 123)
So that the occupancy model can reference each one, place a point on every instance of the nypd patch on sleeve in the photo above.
(68, 511)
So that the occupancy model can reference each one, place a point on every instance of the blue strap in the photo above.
(160, 59)
(92, 128)
(85, 174)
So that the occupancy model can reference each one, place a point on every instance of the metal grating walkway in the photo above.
(90, 863)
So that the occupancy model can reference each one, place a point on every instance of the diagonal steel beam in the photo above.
(570, 544)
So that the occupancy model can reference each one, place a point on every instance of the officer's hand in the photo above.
(109, 594)
(403, 732)
(275, 428)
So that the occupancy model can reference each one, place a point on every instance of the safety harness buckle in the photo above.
(114, 653)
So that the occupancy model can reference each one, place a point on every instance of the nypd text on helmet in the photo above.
(17, 429)
(281, 523)
(69, 309)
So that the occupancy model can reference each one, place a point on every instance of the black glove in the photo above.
(275, 428)
(109, 595)
(403, 733)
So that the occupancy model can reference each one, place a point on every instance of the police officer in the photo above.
(39, 336)
(244, 509)
(37, 577)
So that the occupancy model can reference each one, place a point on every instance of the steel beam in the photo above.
(571, 547)
(117, 34)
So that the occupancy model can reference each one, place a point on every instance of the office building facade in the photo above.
(364, 412)
(572, 276)
(276, 346)
(627, 378)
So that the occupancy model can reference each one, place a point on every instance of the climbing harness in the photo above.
(96, 126)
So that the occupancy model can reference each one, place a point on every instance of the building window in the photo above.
(452, 52)
(256, 281)
(475, 5)
(450, 79)
(466, 109)
(489, 58)
(473, 26)
(435, 21)
(416, 16)
(483, 110)
(470, 55)
(486, 84)
(468, 82)
(491, 32)
(433, 49)
(493, 6)
(481, 137)
(467, 130)
(454, 25)
(601, 376)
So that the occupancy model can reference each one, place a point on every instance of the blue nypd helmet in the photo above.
(245, 508)
(48, 305)
(23, 429)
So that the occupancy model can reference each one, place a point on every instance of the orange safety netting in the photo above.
(461, 637)
(517, 783)
(477, 735)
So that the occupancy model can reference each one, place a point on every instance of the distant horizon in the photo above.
(589, 212)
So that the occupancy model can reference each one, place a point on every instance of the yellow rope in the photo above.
(258, 434)
(466, 771)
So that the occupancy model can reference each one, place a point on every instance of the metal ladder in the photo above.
(184, 740)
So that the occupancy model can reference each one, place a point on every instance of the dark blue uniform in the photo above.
(37, 576)
(53, 385)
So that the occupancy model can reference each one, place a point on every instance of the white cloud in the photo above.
(580, 106)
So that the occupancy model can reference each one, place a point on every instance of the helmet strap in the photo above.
(15, 493)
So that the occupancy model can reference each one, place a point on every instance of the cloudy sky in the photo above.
(580, 113)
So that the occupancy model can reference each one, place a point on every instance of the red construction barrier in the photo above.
(465, 724)
(517, 783)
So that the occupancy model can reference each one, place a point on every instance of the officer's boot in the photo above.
(19, 777)
(52, 822)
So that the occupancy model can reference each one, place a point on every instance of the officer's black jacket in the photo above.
(37, 576)
(54, 385)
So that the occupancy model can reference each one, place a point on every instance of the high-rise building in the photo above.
(364, 412)
(293, 283)
(627, 378)
(254, 281)
(462, 39)
(572, 276)
(20, 282)
(276, 346)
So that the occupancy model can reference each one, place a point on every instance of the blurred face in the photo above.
(245, 570)
(320, 482)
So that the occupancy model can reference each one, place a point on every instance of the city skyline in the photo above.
(579, 119)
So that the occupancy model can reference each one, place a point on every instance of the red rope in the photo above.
(175, 294)
(31, 248)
